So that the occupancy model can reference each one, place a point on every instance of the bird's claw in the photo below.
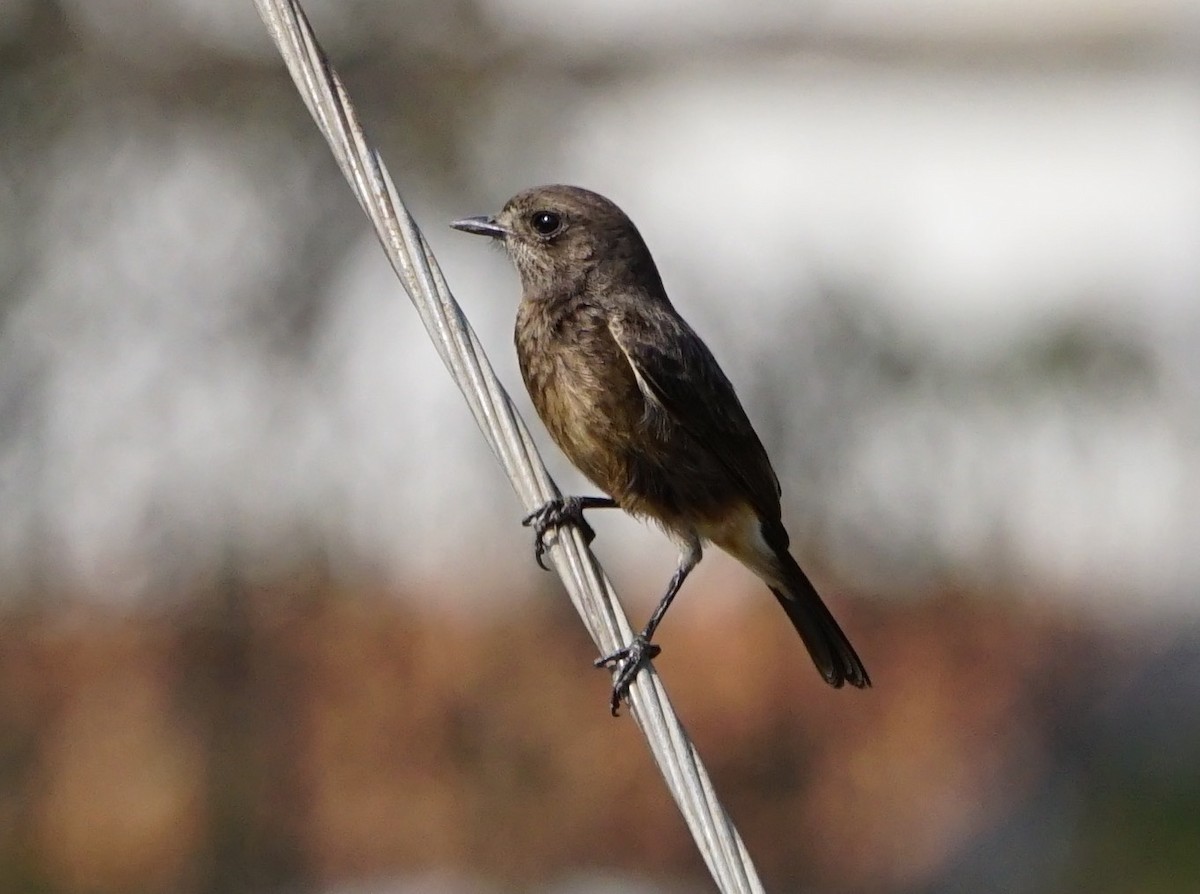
(552, 515)
(637, 655)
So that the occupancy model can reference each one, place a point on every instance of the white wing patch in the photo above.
(656, 413)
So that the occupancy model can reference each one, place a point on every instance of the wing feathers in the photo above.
(679, 375)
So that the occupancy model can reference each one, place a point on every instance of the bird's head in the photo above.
(565, 237)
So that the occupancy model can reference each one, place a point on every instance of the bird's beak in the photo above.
(481, 226)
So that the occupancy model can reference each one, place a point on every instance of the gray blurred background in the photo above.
(267, 619)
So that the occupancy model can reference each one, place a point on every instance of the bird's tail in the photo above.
(831, 651)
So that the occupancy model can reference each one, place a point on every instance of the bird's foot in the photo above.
(552, 515)
(637, 655)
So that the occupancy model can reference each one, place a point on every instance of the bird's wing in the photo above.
(679, 376)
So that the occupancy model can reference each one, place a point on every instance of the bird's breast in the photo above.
(583, 389)
(588, 397)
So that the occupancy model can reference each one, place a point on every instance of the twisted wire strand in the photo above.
(589, 589)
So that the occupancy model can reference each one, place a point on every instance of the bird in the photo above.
(636, 400)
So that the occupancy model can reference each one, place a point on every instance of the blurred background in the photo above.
(268, 621)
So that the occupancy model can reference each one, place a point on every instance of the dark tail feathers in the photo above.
(831, 652)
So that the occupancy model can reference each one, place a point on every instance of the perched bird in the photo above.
(638, 403)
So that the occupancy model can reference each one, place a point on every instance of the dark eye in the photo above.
(546, 223)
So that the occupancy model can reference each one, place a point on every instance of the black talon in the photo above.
(637, 655)
(553, 514)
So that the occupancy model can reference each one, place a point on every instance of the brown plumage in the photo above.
(638, 403)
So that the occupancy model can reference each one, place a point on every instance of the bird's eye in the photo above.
(545, 223)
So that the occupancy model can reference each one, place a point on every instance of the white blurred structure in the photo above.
(950, 257)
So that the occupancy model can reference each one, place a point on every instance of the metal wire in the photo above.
(452, 336)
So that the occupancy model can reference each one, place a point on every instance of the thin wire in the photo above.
(586, 584)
